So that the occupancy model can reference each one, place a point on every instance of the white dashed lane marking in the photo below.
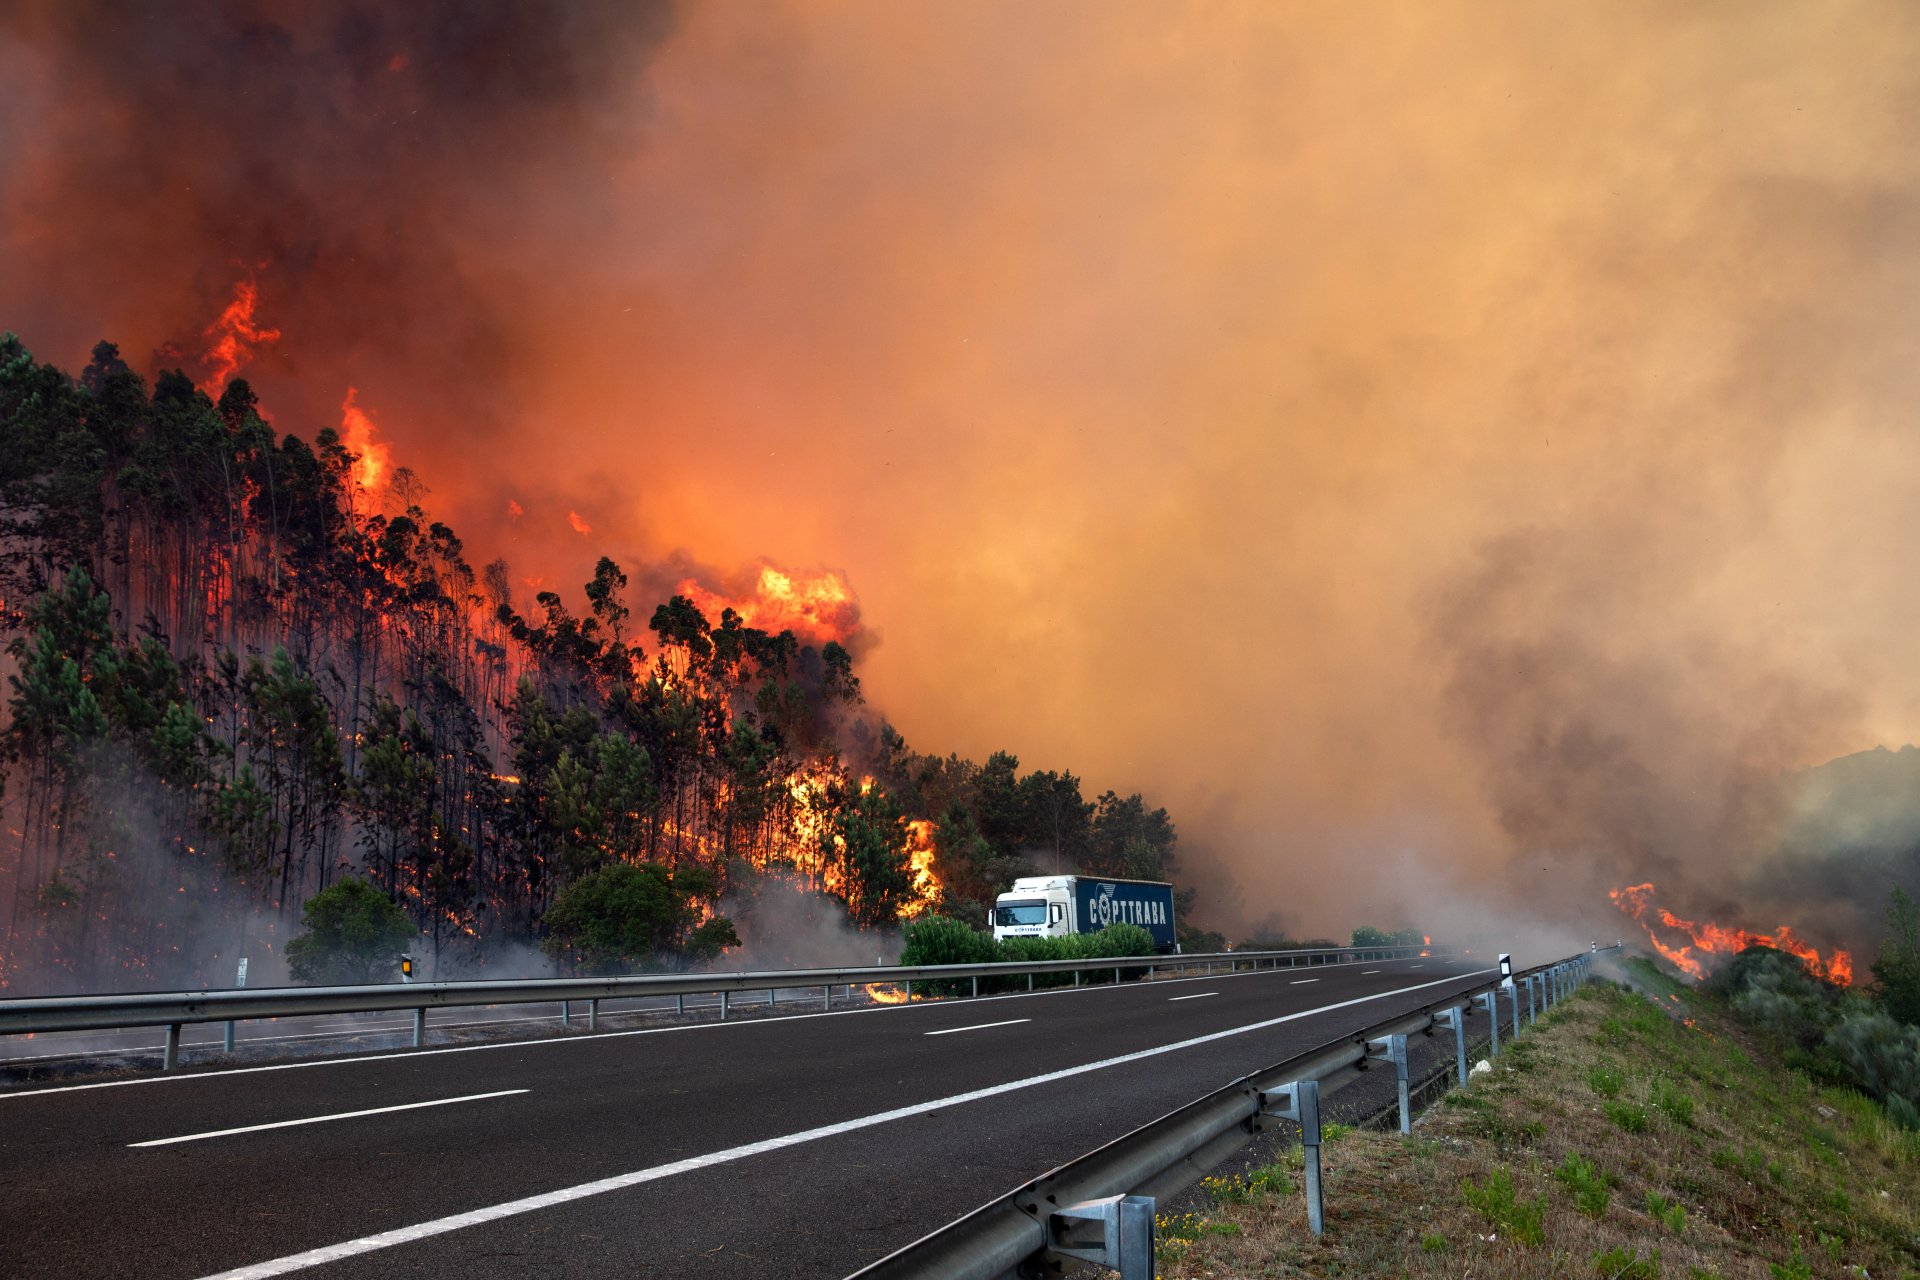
(338, 1115)
(978, 1026)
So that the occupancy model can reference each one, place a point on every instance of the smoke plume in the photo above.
(1475, 435)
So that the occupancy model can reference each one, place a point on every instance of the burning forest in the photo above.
(247, 664)
(1411, 481)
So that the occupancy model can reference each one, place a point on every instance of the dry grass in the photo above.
(1737, 1169)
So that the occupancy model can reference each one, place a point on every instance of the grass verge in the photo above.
(1616, 1140)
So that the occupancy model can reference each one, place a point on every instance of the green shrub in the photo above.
(1794, 1268)
(1630, 1116)
(354, 935)
(1671, 1215)
(1496, 1201)
(1588, 1185)
(1883, 1054)
(1606, 1082)
(1776, 990)
(1673, 1100)
(941, 940)
(1032, 951)
(1623, 1263)
(1432, 1243)
(1116, 941)
(627, 916)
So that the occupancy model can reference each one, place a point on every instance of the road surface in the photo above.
(777, 1147)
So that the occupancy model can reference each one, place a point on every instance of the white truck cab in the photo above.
(1035, 907)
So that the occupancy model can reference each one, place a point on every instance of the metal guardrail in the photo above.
(174, 1009)
(1092, 1209)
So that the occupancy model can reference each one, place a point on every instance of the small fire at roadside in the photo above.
(1710, 939)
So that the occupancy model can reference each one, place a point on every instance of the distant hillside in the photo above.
(1850, 832)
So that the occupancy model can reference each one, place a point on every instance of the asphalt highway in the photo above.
(778, 1147)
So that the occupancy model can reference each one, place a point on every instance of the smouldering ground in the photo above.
(1615, 1140)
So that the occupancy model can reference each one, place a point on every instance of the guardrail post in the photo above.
(723, 1005)
(976, 986)
(1394, 1049)
(909, 990)
(419, 1027)
(170, 1056)
(566, 1014)
(1300, 1103)
(226, 1041)
(1116, 1233)
(826, 994)
(1491, 1002)
(1451, 1018)
(680, 1003)
(593, 1015)
(1029, 982)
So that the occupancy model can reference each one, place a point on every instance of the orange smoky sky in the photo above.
(1458, 450)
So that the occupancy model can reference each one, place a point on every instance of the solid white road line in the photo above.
(1365, 972)
(1301, 982)
(620, 1182)
(1199, 996)
(978, 1026)
(338, 1115)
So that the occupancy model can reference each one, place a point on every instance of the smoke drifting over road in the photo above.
(1473, 435)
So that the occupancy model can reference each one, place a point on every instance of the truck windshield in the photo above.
(1027, 911)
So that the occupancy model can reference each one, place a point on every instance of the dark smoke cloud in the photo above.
(375, 165)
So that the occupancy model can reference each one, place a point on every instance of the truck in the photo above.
(1056, 906)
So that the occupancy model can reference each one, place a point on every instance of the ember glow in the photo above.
(1710, 939)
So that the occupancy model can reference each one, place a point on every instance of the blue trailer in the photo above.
(1055, 906)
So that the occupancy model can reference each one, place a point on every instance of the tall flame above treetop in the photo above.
(236, 336)
(372, 459)
(816, 605)
(1709, 938)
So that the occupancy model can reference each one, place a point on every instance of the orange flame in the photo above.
(883, 994)
(580, 526)
(816, 606)
(515, 510)
(356, 430)
(235, 337)
(926, 885)
(1715, 939)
